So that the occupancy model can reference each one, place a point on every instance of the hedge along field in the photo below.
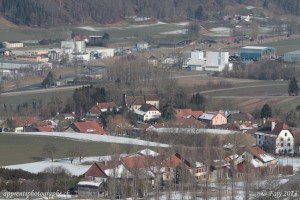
(18, 149)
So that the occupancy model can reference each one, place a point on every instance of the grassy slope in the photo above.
(116, 33)
(17, 149)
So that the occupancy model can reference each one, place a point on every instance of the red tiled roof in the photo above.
(260, 154)
(135, 100)
(151, 97)
(24, 121)
(95, 171)
(174, 161)
(95, 110)
(106, 105)
(45, 129)
(42, 123)
(89, 127)
(137, 162)
(190, 121)
(148, 107)
(279, 127)
(183, 112)
(188, 112)
(197, 114)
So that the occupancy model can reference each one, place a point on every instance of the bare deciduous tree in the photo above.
(49, 150)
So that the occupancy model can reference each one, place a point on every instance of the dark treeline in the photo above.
(62, 12)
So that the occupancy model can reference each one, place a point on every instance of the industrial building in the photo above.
(10, 67)
(100, 52)
(12, 44)
(293, 56)
(257, 53)
(72, 46)
(207, 61)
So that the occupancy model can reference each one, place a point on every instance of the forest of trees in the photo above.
(62, 12)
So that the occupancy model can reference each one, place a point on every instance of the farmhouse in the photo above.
(173, 165)
(133, 103)
(213, 118)
(99, 108)
(277, 137)
(86, 127)
(147, 112)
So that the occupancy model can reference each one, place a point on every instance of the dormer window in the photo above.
(285, 134)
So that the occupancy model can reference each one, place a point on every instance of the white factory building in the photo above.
(77, 51)
(207, 61)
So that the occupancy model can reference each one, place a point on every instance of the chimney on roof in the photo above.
(273, 124)
(124, 100)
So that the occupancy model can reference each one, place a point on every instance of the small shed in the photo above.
(91, 189)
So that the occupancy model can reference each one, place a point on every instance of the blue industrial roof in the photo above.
(257, 48)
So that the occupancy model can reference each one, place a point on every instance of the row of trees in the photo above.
(261, 70)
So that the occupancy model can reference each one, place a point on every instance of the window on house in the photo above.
(289, 144)
(259, 136)
(281, 144)
(281, 139)
(285, 134)
(289, 139)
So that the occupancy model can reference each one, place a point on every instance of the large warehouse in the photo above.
(293, 56)
(256, 52)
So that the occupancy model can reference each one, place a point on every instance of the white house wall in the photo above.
(285, 143)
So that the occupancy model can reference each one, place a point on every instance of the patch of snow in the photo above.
(249, 7)
(266, 157)
(90, 183)
(219, 31)
(88, 28)
(182, 23)
(176, 32)
(148, 152)
(95, 138)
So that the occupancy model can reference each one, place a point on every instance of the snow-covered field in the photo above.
(193, 131)
(75, 168)
(95, 138)
(94, 28)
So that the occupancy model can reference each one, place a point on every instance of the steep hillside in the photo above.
(74, 12)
